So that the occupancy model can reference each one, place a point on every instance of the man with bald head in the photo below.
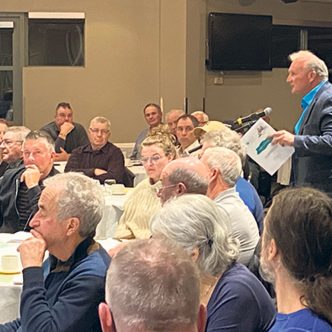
(172, 118)
(183, 176)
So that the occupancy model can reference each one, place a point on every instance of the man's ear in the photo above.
(272, 250)
(73, 225)
(201, 319)
(181, 189)
(105, 317)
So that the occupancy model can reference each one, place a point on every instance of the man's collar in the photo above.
(308, 98)
(87, 246)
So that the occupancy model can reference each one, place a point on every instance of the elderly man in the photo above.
(99, 159)
(201, 117)
(152, 285)
(225, 168)
(185, 126)
(63, 293)
(312, 160)
(153, 117)
(11, 145)
(20, 188)
(229, 139)
(183, 176)
(172, 118)
(66, 133)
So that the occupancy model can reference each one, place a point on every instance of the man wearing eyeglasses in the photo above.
(11, 146)
(100, 159)
(67, 134)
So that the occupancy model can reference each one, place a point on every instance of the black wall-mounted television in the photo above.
(239, 42)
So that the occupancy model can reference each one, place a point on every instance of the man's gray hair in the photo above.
(20, 132)
(102, 119)
(80, 197)
(40, 135)
(226, 138)
(179, 112)
(194, 222)
(227, 161)
(312, 62)
(205, 116)
(153, 285)
(194, 182)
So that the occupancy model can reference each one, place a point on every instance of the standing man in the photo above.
(20, 187)
(312, 160)
(185, 134)
(153, 117)
(63, 293)
(99, 159)
(66, 133)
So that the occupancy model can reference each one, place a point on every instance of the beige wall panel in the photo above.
(121, 73)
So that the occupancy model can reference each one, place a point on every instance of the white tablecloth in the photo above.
(9, 291)
(113, 210)
(138, 171)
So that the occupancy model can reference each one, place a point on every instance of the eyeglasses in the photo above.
(9, 142)
(160, 190)
(97, 131)
(153, 159)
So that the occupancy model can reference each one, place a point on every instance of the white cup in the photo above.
(118, 189)
(10, 263)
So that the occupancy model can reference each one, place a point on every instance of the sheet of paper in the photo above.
(259, 147)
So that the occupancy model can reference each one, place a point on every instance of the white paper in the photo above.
(259, 147)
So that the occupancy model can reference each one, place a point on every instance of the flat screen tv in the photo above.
(239, 42)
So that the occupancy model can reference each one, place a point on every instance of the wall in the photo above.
(245, 92)
(140, 50)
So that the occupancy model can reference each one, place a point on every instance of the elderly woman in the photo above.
(157, 151)
(297, 257)
(235, 299)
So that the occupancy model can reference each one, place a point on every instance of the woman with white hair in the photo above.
(235, 298)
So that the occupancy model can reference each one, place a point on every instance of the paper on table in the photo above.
(260, 149)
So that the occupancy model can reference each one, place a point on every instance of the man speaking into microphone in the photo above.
(312, 138)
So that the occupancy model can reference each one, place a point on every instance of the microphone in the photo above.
(252, 117)
(195, 149)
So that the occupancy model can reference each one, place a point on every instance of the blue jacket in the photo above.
(312, 160)
(64, 296)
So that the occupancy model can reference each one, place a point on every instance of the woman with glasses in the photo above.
(157, 150)
(235, 299)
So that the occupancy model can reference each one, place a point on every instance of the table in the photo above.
(114, 205)
(10, 284)
(138, 171)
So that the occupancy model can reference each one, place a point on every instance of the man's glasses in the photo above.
(8, 142)
(160, 190)
(153, 159)
(97, 131)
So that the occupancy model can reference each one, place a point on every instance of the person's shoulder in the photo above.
(49, 126)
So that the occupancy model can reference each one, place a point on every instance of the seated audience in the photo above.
(156, 152)
(67, 134)
(297, 258)
(11, 146)
(63, 293)
(20, 187)
(171, 119)
(229, 139)
(153, 117)
(99, 159)
(3, 129)
(185, 134)
(152, 286)
(225, 168)
(235, 299)
(183, 176)
(201, 117)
